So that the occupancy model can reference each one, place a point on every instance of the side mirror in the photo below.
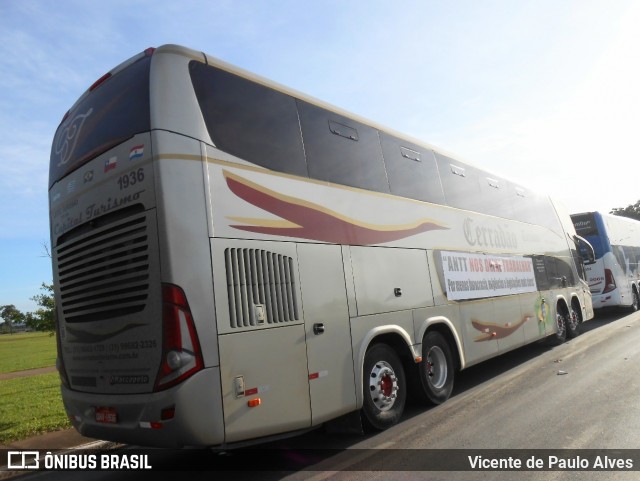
(586, 250)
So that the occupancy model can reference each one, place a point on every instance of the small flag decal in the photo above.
(110, 164)
(136, 152)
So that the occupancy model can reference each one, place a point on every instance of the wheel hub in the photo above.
(561, 324)
(383, 386)
(573, 320)
(436, 366)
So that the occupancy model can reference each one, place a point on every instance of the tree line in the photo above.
(42, 319)
(632, 211)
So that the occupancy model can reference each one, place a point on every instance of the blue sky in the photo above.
(544, 92)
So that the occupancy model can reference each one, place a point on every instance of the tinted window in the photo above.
(494, 196)
(460, 182)
(552, 272)
(249, 120)
(341, 150)
(559, 273)
(113, 112)
(585, 224)
(533, 208)
(627, 259)
(412, 170)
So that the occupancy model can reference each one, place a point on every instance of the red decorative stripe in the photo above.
(315, 222)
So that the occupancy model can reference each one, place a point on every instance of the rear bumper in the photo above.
(198, 419)
(610, 299)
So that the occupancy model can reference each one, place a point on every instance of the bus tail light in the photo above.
(100, 81)
(181, 354)
(609, 281)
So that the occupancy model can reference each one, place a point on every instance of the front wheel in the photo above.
(384, 386)
(436, 371)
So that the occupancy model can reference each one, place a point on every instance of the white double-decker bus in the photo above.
(614, 278)
(234, 260)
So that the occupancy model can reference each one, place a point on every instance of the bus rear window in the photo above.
(113, 112)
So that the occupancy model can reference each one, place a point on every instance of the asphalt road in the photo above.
(584, 394)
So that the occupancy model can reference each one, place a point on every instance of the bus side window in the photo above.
(533, 208)
(250, 121)
(412, 170)
(341, 150)
(559, 272)
(494, 198)
(460, 183)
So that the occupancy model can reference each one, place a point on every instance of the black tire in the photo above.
(436, 371)
(635, 305)
(384, 388)
(561, 328)
(573, 323)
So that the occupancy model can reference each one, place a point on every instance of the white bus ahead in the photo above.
(614, 279)
(234, 260)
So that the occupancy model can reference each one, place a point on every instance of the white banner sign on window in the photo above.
(474, 276)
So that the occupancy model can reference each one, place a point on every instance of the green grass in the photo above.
(19, 352)
(30, 406)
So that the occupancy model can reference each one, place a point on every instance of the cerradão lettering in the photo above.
(484, 236)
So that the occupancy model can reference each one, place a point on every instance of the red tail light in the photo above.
(181, 354)
(100, 81)
(609, 281)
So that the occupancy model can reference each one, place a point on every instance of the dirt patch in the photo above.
(30, 372)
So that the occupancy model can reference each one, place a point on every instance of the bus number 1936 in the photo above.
(131, 178)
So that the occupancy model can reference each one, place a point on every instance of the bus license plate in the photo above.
(106, 415)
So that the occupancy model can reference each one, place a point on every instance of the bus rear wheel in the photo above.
(436, 371)
(573, 323)
(635, 304)
(384, 386)
(561, 328)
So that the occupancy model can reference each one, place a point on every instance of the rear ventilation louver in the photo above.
(261, 287)
(105, 274)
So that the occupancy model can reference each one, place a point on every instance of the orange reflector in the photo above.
(254, 402)
(315, 375)
(156, 425)
(418, 359)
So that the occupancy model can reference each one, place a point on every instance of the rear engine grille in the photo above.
(105, 273)
(261, 287)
